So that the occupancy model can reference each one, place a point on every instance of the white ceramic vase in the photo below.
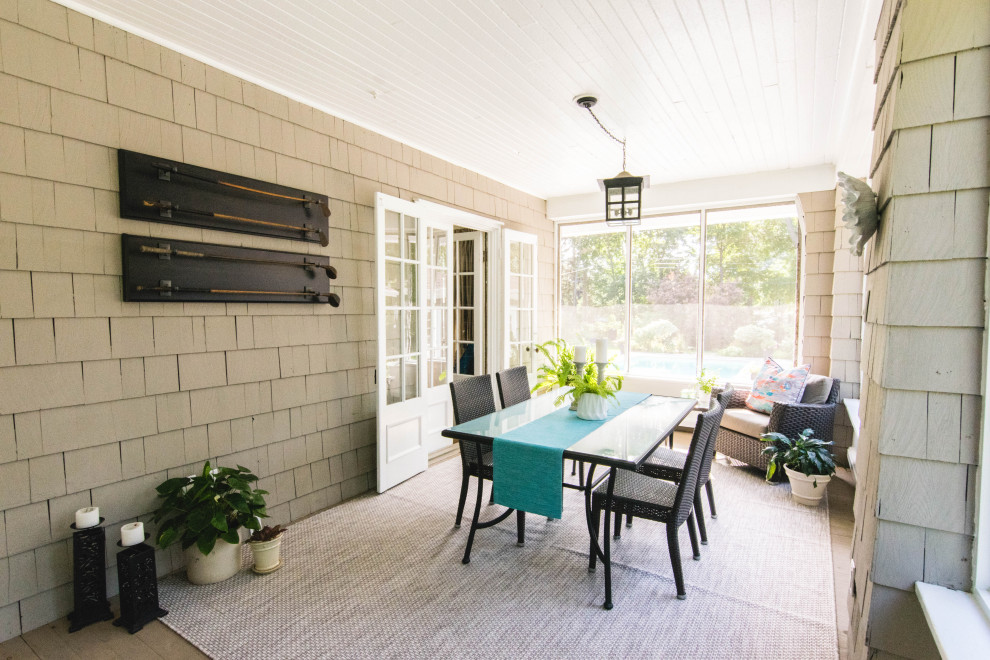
(592, 406)
(223, 562)
(803, 487)
(266, 555)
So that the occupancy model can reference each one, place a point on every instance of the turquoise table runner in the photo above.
(529, 461)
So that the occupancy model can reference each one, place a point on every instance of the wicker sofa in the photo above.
(741, 428)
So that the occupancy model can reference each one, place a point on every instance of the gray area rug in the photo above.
(381, 577)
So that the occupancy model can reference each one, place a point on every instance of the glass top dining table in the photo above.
(624, 441)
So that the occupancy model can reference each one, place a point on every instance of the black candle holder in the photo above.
(138, 580)
(89, 577)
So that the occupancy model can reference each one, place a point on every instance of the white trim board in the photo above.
(959, 626)
(743, 189)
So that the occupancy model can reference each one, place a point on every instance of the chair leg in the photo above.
(700, 517)
(520, 528)
(491, 497)
(711, 499)
(573, 468)
(580, 473)
(629, 520)
(474, 521)
(674, 548)
(608, 552)
(693, 533)
(596, 519)
(618, 525)
(460, 503)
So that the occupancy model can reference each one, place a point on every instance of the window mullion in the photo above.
(700, 355)
(628, 299)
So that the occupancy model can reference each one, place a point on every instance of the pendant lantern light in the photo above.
(623, 192)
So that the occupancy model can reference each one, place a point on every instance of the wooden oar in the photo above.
(332, 298)
(174, 208)
(148, 249)
(220, 182)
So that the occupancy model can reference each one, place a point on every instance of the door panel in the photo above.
(520, 275)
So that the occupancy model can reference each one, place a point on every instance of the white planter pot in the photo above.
(266, 555)
(803, 487)
(592, 406)
(223, 562)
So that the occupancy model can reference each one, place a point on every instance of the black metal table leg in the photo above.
(608, 546)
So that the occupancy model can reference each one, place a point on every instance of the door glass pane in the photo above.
(593, 287)
(409, 237)
(392, 274)
(527, 259)
(466, 324)
(515, 259)
(514, 325)
(410, 333)
(392, 332)
(514, 360)
(466, 293)
(526, 292)
(664, 320)
(410, 370)
(465, 252)
(391, 234)
(393, 381)
(750, 290)
(514, 290)
(525, 325)
(409, 286)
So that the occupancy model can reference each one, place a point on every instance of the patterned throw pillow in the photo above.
(774, 384)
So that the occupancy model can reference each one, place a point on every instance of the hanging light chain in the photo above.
(609, 133)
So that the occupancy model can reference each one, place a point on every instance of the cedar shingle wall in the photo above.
(922, 346)
(100, 400)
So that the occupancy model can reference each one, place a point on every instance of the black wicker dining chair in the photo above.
(472, 398)
(668, 464)
(513, 386)
(641, 496)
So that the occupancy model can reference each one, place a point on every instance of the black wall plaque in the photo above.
(163, 270)
(162, 190)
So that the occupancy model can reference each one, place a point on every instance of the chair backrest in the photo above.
(472, 397)
(513, 386)
(704, 435)
(706, 463)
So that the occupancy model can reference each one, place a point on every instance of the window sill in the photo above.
(959, 625)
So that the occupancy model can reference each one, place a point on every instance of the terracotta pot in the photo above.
(592, 406)
(266, 555)
(223, 562)
(807, 489)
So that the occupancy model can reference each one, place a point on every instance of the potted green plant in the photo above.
(705, 383)
(205, 513)
(592, 396)
(265, 546)
(558, 369)
(807, 461)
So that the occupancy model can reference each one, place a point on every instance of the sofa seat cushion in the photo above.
(745, 421)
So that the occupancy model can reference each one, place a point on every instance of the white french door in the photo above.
(520, 281)
(414, 337)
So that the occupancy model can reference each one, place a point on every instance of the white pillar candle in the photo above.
(580, 353)
(87, 517)
(132, 534)
(601, 350)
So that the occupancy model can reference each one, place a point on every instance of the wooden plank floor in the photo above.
(156, 640)
(99, 641)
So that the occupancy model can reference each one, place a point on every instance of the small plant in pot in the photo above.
(558, 369)
(205, 513)
(265, 546)
(806, 460)
(592, 396)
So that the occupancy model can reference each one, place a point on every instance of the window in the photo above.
(642, 288)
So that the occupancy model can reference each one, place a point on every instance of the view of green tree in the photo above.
(750, 289)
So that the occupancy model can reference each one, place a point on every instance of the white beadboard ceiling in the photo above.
(700, 88)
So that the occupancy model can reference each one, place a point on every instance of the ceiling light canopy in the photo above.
(623, 192)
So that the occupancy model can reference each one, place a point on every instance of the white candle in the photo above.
(87, 517)
(601, 350)
(132, 534)
(580, 353)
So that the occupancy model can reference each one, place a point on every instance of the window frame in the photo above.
(702, 211)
